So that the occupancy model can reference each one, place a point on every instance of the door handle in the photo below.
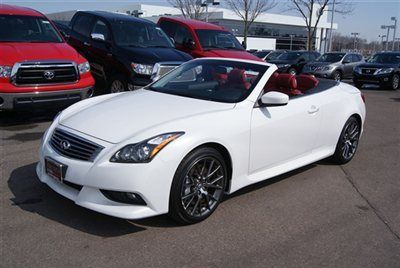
(86, 44)
(313, 109)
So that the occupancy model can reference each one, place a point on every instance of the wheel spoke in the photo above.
(217, 179)
(209, 185)
(195, 206)
(188, 195)
(210, 167)
(188, 204)
(354, 135)
(212, 173)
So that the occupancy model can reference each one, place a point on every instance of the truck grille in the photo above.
(73, 146)
(368, 70)
(45, 73)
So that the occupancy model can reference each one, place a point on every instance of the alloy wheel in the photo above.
(395, 82)
(350, 140)
(117, 86)
(337, 76)
(202, 187)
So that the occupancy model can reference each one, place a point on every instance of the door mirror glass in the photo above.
(98, 36)
(274, 98)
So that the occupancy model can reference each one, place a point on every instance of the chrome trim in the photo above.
(43, 64)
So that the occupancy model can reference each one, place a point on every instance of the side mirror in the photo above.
(98, 37)
(190, 44)
(274, 98)
(345, 61)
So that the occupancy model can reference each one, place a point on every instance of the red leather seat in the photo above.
(306, 82)
(237, 77)
(284, 83)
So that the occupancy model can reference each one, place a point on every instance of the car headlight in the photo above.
(84, 67)
(139, 68)
(144, 151)
(357, 70)
(5, 71)
(384, 71)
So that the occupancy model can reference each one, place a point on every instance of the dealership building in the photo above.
(268, 31)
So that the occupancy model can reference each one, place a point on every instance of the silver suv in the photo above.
(334, 65)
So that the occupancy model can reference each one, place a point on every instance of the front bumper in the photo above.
(381, 79)
(43, 99)
(321, 74)
(144, 180)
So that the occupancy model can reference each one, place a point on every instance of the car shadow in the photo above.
(25, 119)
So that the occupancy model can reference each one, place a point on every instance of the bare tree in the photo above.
(191, 9)
(249, 10)
(312, 11)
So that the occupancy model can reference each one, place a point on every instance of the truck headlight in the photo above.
(145, 69)
(84, 67)
(5, 71)
(384, 71)
(144, 151)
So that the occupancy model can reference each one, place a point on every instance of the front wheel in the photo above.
(118, 84)
(337, 76)
(395, 82)
(198, 186)
(348, 141)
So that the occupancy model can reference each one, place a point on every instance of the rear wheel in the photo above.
(348, 141)
(395, 82)
(118, 84)
(198, 186)
(337, 76)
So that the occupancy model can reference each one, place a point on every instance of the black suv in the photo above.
(382, 69)
(127, 52)
(293, 61)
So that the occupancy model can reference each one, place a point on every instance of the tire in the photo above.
(347, 144)
(198, 186)
(292, 71)
(117, 84)
(395, 83)
(337, 76)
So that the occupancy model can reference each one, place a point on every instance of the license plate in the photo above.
(55, 169)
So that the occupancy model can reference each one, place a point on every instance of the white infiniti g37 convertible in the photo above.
(207, 128)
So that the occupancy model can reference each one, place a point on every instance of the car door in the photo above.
(283, 133)
(80, 34)
(100, 49)
(181, 38)
(348, 65)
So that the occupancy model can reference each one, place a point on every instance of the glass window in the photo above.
(169, 28)
(101, 28)
(385, 58)
(213, 80)
(182, 35)
(331, 57)
(82, 24)
(27, 29)
(290, 56)
(129, 33)
(218, 39)
(274, 55)
(261, 54)
(347, 58)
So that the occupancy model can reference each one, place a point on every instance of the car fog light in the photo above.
(124, 197)
(385, 79)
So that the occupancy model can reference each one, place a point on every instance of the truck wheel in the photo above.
(337, 76)
(118, 84)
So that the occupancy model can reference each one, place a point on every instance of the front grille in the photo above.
(73, 146)
(42, 99)
(45, 73)
(368, 70)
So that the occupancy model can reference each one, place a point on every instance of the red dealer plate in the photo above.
(55, 169)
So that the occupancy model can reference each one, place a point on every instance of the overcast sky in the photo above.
(367, 17)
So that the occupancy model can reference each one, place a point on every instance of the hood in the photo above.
(124, 115)
(154, 55)
(229, 53)
(19, 52)
(378, 65)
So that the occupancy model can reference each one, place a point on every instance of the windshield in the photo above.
(128, 33)
(385, 58)
(331, 57)
(261, 54)
(210, 39)
(27, 29)
(214, 80)
(289, 56)
(273, 55)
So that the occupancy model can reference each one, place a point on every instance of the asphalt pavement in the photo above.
(320, 215)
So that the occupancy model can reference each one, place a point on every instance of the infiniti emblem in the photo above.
(48, 75)
(65, 144)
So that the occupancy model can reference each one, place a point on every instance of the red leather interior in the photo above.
(306, 82)
(290, 84)
(238, 77)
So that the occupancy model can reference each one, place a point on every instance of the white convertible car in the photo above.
(207, 128)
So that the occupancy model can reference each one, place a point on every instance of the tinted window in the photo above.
(331, 57)
(273, 55)
(356, 58)
(305, 56)
(218, 39)
(168, 27)
(385, 58)
(290, 56)
(101, 28)
(314, 56)
(261, 54)
(214, 80)
(347, 58)
(129, 33)
(82, 24)
(182, 35)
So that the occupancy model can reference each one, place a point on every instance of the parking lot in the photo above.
(320, 215)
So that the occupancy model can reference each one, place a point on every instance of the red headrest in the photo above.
(306, 82)
(238, 76)
(286, 81)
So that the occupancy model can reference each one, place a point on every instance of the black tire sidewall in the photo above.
(391, 84)
(334, 75)
(176, 211)
(115, 78)
(338, 156)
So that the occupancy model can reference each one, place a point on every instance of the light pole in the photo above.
(394, 30)
(382, 36)
(355, 39)
(383, 27)
(291, 41)
(330, 32)
(205, 3)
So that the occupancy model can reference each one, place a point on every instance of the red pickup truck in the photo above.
(201, 39)
(37, 67)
